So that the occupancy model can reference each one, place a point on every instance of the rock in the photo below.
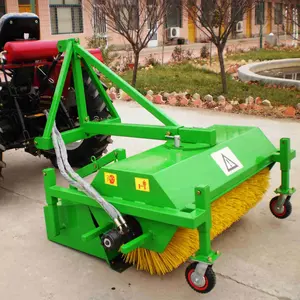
(150, 93)
(243, 106)
(249, 100)
(196, 96)
(290, 112)
(211, 104)
(158, 99)
(234, 102)
(228, 107)
(166, 95)
(258, 101)
(257, 107)
(113, 96)
(208, 98)
(124, 96)
(298, 106)
(250, 61)
(172, 100)
(183, 101)
(113, 90)
(197, 103)
(267, 103)
(243, 62)
(173, 94)
(222, 101)
(149, 97)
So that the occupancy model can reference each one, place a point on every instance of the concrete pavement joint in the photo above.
(252, 287)
(22, 195)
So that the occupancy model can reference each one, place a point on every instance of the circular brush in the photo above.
(225, 211)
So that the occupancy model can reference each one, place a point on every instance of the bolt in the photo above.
(45, 174)
(198, 192)
(36, 21)
(168, 133)
(86, 119)
(218, 252)
(209, 259)
(35, 142)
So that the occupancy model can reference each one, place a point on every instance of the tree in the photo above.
(216, 19)
(136, 21)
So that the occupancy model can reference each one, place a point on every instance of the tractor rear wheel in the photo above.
(81, 152)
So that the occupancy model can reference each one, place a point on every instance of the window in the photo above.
(129, 15)
(66, 16)
(278, 14)
(2, 8)
(236, 11)
(99, 21)
(174, 14)
(260, 13)
(208, 12)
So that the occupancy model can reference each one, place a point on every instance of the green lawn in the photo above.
(185, 77)
(266, 54)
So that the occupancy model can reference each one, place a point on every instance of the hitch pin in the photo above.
(176, 140)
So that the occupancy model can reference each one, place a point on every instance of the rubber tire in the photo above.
(94, 146)
(210, 278)
(287, 208)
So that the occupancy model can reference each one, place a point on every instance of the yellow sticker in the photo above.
(110, 179)
(142, 184)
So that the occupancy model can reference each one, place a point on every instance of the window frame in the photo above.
(72, 6)
(179, 15)
(278, 9)
(263, 14)
(3, 6)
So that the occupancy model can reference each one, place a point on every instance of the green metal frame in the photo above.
(75, 55)
(166, 219)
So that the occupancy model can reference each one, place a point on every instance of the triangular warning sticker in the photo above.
(227, 161)
(230, 165)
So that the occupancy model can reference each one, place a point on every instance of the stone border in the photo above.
(248, 72)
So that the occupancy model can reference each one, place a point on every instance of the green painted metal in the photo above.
(164, 188)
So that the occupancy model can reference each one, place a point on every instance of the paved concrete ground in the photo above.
(261, 255)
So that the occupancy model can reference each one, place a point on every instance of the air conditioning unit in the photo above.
(239, 26)
(173, 32)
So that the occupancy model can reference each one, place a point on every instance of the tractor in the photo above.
(29, 71)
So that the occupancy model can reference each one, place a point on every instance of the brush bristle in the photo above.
(226, 210)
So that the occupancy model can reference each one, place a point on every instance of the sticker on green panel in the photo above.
(227, 161)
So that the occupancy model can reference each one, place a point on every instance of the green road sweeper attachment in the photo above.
(163, 207)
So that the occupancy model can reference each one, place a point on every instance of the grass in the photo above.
(265, 54)
(185, 77)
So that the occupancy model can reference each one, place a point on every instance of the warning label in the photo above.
(227, 161)
(142, 184)
(110, 179)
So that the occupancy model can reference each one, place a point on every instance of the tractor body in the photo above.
(29, 71)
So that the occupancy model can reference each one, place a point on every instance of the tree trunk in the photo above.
(222, 67)
(135, 68)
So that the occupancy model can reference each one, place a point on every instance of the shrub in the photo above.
(108, 51)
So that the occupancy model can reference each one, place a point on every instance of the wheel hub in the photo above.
(197, 280)
(74, 145)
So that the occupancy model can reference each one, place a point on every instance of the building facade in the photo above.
(62, 19)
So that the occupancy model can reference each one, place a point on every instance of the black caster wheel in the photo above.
(200, 284)
(284, 212)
